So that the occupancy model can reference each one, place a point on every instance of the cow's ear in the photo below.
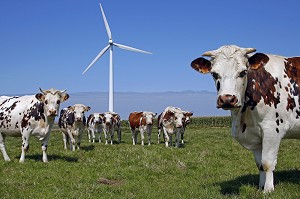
(71, 108)
(154, 114)
(87, 108)
(201, 65)
(64, 96)
(257, 60)
(40, 97)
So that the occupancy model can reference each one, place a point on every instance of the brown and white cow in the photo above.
(111, 123)
(186, 121)
(142, 121)
(72, 123)
(94, 125)
(262, 92)
(29, 115)
(171, 121)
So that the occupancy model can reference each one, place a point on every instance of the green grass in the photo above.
(210, 165)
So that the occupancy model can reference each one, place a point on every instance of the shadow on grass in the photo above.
(38, 157)
(87, 148)
(232, 187)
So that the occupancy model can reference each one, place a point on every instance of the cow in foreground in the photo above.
(72, 123)
(171, 121)
(94, 125)
(111, 123)
(142, 121)
(30, 115)
(262, 92)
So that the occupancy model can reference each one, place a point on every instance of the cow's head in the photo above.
(229, 66)
(52, 99)
(109, 118)
(174, 115)
(187, 116)
(149, 116)
(97, 118)
(78, 110)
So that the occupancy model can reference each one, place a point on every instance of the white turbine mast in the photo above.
(110, 46)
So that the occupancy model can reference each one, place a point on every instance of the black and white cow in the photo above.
(263, 94)
(29, 115)
(111, 122)
(72, 123)
(94, 125)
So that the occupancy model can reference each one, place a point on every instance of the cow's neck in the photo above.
(49, 120)
(236, 118)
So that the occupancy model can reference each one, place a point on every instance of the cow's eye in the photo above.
(215, 75)
(46, 102)
(243, 73)
(58, 102)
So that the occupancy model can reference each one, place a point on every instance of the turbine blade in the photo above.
(98, 56)
(131, 48)
(105, 23)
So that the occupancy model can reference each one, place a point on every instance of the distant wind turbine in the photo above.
(110, 46)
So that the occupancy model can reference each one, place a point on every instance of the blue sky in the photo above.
(49, 43)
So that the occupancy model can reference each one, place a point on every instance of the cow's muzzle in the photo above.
(227, 102)
(52, 113)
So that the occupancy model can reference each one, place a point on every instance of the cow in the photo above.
(186, 120)
(171, 121)
(142, 121)
(94, 125)
(111, 122)
(29, 115)
(262, 93)
(72, 123)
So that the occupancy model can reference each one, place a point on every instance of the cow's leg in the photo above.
(2, 147)
(142, 136)
(100, 131)
(133, 136)
(178, 132)
(106, 136)
(25, 145)
(119, 135)
(166, 136)
(270, 147)
(64, 140)
(72, 140)
(112, 131)
(93, 135)
(158, 135)
(182, 133)
(44, 147)
(262, 175)
(149, 131)
(89, 134)
(79, 138)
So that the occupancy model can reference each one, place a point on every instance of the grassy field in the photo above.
(210, 165)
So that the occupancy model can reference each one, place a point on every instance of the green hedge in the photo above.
(221, 121)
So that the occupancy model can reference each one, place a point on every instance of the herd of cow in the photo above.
(34, 115)
(261, 91)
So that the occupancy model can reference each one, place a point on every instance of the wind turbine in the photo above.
(110, 46)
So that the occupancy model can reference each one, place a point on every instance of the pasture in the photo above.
(209, 165)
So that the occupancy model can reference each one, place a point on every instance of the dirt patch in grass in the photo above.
(112, 182)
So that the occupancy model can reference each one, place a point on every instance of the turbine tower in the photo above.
(110, 46)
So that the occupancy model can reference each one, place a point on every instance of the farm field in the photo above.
(209, 165)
